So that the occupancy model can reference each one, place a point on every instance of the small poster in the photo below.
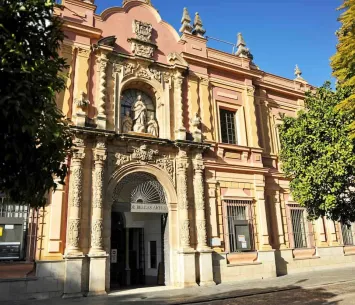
(1, 228)
(244, 245)
(113, 256)
(9, 227)
(241, 238)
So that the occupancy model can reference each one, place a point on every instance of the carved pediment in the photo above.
(177, 60)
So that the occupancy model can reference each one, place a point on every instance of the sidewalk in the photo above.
(167, 295)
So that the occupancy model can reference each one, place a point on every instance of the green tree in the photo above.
(319, 156)
(343, 62)
(34, 137)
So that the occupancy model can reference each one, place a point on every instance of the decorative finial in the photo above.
(298, 73)
(242, 50)
(186, 26)
(198, 26)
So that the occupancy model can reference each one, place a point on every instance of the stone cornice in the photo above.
(233, 167)
(81, 29)
(209, 62)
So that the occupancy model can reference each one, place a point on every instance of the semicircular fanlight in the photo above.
(147, 193)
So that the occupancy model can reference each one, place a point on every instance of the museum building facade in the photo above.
(175, 177)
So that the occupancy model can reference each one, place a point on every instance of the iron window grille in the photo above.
(347, 233)
(228, 126)
(239, 225)
(300, 229)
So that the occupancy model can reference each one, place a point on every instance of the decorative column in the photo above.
(73, 253)
(205, 252)
(180, 130)
(186, 253)
(280, 229)
(101, 105)
(97, 253)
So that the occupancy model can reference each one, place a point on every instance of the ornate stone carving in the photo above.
(143, 30)
(142, 49)
(198, 185)
(101, 143)
(251, 90)
(201, 233)
(196, 123)
(76, 186)
(116, 68)
(128, 68)
(152, 126)
(185, 233)
(98, 180)
(102, 64)
(74, 233)
(156, 74)
(127, 123)
(81, 102)
(84, 52)
(143, 73)
(242, 50)
(79, 141)
(96, 233)
(143, 153)
(121, 159)
(182, 185)
(166, 164)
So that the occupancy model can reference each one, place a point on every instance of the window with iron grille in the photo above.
(347, 233)
(240, 225)
(299, 224)
(228, 126)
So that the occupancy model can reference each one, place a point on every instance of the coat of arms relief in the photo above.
(142, 45)
(144, 154)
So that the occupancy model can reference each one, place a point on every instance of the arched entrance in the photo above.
(141, 239)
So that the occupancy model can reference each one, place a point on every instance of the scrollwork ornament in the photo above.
(96, 233)
(201, 233)
(74, 233)
(121, 159)
(76, 186)
(185, 233)
(143, 153)
(166, 164)
(98, 187)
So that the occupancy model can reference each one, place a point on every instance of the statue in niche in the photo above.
(140, 115)
(152, 126)
(127, 123)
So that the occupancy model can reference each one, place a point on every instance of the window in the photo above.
(240, 225)
(347, 233)
(153, 254)
(228, 126)
(300, 229)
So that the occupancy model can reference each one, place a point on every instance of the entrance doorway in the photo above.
(138, 226)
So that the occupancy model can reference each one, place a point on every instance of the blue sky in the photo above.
(279, 33)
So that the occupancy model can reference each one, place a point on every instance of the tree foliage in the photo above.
(343, 62)
(319, 156)
(34, 137)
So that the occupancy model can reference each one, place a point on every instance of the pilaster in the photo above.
(264, 242)
(205, 252)
(252, 130)
(187, 259)
(102, 63)
(280, 229)
(80, 85)
(180, 130)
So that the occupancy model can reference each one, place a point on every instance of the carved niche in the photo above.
(142, 45)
